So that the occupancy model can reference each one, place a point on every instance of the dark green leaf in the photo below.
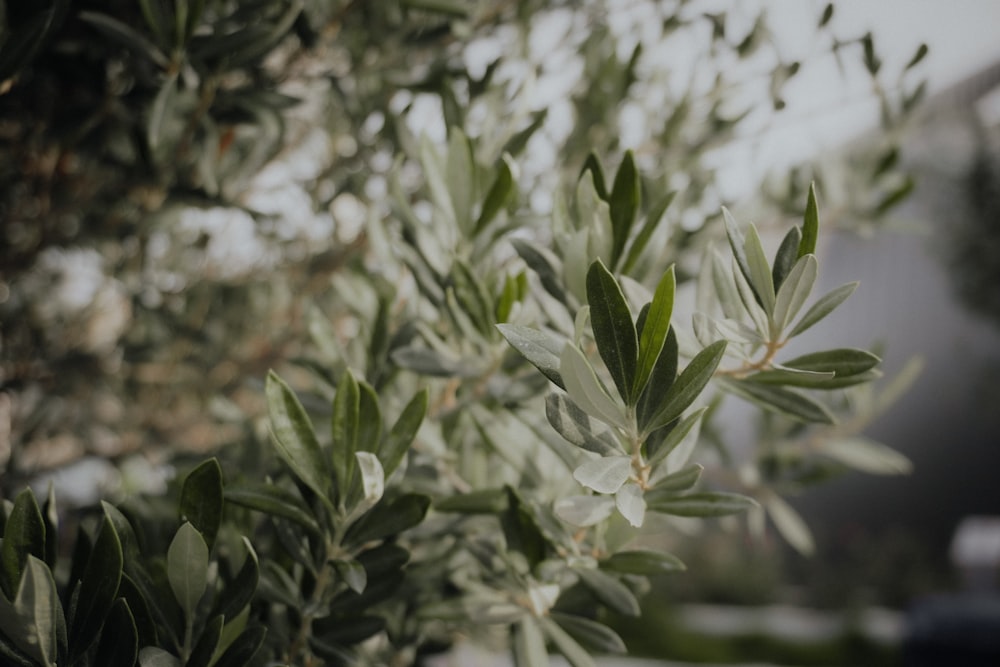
(384, 559)
(653, 220)
(347, 631)
(24, 535)
(498, 195)
(590, 634)
(389, 518)
(201, 499)
(609, 591)
(823, 307)
(576, 426)
(521, 530)
(871, 61)
(575, 654)
(688, 386)
(541, 349)
(593, 165)
(810, 225)
(346, 423)
(682, 480)
(351, 573)
(783, 401)
(187, 568)
(659, 448)
(922, 51)
(37, 603)
(98, 588)
(143, 619)
(624, 205)
(544, 264)
(844, 362)
(294, 438)
(642, 562)
(661, 379)
(274, 500)
(515, 145)
(895, 196)
(119, 643)
(397, 442)
(737, 244)
(786, 256)
(528, 644)
(614, 331)
(654, 330)
(125, 35)
(708, 504)
(483, 501)
(760, 270)
(237, 593)
(827, 15)
(208, 642)
(241, 652)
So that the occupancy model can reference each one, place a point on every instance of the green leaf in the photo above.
(461, 178)
(867, 456)
(575, 425)
(584, 510)
(294, 438)
(119, 644)
(593, 165)
(609, 591)
(397, 442)
(202, 498)
(273, 500)
(794, 292)
(786, 256)
(810, 225)
(98, 588)
(642, 562)
(369, 419)
(527, 643)
(242, 651)
(160, 111)
(208, 643)
(151, 656)
(238, 593)
(751, 304)
(389, 518)
(353, 574)
(586, 390)
(372, 480)
(708, 504)
(187, 568)
(624, 203)
(604, 475)
(575, 654)
(614, 331)
(50, 518)
(737, 244)
(654, 330)
(499, 194)
(922, 51)
(482, 501)
(844, 362)
(782, 401)
(653, 220)
(630, 504)
(790, 524)
(677, 434)
(725, 288)
(125, 35)
(682, 480)
(24, 536)
(387, 558)
(541, 349)
(760, 270)
(794, 377)
(37, 603)
(345, 426)
(542, 262)
(590, 634)
(688, 386)
(661, 379)
(823, 307)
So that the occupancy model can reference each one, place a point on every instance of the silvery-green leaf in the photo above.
(676, 448)
(595, 220)
(760, 270)
(682, 480)
(584, 510)
(540, 348)
(39, 612)
(345, 425)
(790, 524)
(793, 377)
(187, 568)
(609, 590)
(461, 171)
(781, 400)
(434, 174)
(372, 479)
(604, 475)
(725, 288)
(630, 504)
(584, 388)
(653, 221)
(794, 291)
(592, 635)
(545, 264)
(737, 244)
(867, 456)
(528, 644)
(750, 305)
(576, 426)
(353, 574)
(844, 362)
(499, 193)
(643, 562)
(575, 654)
(709, 504)
(810, 225)
(823, 307)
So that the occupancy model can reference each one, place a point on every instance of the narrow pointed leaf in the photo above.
(790, 525)
(786, 256)
(461, 178)
(610, 591)
(661, 379)
(654, 330)
(397, 442)
(614, 330)
(345, 426)
(541, 349)
(794, 291)
(810, 225)
(590, 634)
(585, 390)
(624, 204)
(709, 504)
(737, 244)
(273, 500)
(682, 480)
(674, 438)
(546, 265)
(237, 594)
(688, 386)
(844, 362)
(823, 307)
(389, 518)
(528, 644)
(576, 426)
(751, 304)
(642, 562)
(499, 194)
(119, 644)
(653, 221)
(575, 654)
(98, 588)
(867, 456)
(783, 401)
(24, 536)
(202, 498)
(760, 271)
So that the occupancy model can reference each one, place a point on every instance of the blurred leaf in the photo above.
(895, 196)
(783, 401)
(389, 518)
(867, 456)
(119, 643)
(483, 501)
(575, 654)
(823, 307)
(273, 500)
(24, 536)
(151, 656)
(604, 475)
(125, 35)
(922, 51)
(590, 634)
(543, 263)
(682, 480)
(737, 244)
(653, 220)
(345, 424)
(663, 448)
(461, 179)
(397, 442)
(709, 504)
(241, 652)
(790, 524)
(810, 225)
(528, 644)
(642, 562)
(294, 438)
(614, 331)
(827, 14)
(609, 591)
(593, 165)
(37, 604)
(187, 568)
(201, 499)
(541, 349)
(208, 642)
(631, 504)
(372, 480)
(584, 510)
(238, 593)
(687, 387)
